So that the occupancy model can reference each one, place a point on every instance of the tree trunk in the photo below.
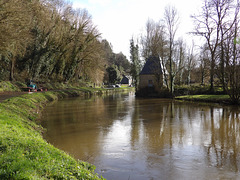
(212, 74)
(12, 64)
(189, 77)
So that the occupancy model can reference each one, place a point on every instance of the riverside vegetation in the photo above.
(24, 154)
(203, 94)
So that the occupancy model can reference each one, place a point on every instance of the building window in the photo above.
(150, 83)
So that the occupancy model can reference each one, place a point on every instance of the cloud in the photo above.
(119, 20)
(81, 5)
(99, 2)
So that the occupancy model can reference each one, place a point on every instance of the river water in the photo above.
(127, 138)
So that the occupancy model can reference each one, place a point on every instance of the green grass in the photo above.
(24, 154)
(206, 98)
(91, 90)
(8, 86)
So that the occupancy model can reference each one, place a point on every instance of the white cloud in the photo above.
(77, 4)
(118, 20)
(99, 2)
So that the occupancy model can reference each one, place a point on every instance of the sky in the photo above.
(120, 20)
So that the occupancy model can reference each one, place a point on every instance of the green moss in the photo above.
(24, 154)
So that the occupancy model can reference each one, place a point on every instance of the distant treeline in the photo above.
(49, 40)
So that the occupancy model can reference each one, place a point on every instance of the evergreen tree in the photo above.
(135, 62)
(113, 74)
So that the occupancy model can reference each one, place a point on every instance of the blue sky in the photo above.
(119, 20)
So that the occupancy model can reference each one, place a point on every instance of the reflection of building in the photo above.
(151, 76)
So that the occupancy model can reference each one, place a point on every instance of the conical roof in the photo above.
(152, 66)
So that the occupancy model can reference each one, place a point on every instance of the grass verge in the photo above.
(206, 98)
(8, 86)
(24, 154)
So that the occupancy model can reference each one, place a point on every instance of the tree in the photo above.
(154, 39)
(113, 74)
(190, 63)
(226, 17)
(121, 61)
(171, 20)
(15, 23)
(213, 23)
(135, 62)
(204, 62)
(65, 46)
(154, 43)
(232, 51)
(50, 40)
(118, 59)
(181, 56)
(209, 28)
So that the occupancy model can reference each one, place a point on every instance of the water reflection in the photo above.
(128, 138)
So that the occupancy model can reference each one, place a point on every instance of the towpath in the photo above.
(7, 95)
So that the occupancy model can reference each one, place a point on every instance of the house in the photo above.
(151, 76)
(126, 80)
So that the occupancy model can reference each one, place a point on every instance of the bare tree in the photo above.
(190, 62)
(227, 13)
(209, 28)
(154, 43)
(213, 23)
(204, 59)
(153, 40)
(232, 55)
(181, 56)
(172, 21)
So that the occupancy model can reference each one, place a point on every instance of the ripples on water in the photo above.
(129, 138)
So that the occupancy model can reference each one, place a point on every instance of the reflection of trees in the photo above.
(223, 149)
(72, 125)
(158, 128)
(135, 126)
(166, 125)
(78, 125)
(152, 121)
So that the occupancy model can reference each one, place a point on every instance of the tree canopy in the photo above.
(50, 40)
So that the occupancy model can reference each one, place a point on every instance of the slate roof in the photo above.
(152, 66)
(125, 80)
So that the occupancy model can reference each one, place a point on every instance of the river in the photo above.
(127, 138)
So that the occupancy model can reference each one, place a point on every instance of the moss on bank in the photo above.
(24, 154)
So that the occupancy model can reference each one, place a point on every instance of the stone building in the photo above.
(151, 77)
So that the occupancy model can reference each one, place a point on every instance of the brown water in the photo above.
(145, 139)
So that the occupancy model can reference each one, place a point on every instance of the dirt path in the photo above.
(7, 95)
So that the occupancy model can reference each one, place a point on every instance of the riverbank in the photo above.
(222, 99)
(11, 89)
(24, 154)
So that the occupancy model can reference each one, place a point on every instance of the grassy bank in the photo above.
(206, 98)
(8, 86)
(24, 154)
